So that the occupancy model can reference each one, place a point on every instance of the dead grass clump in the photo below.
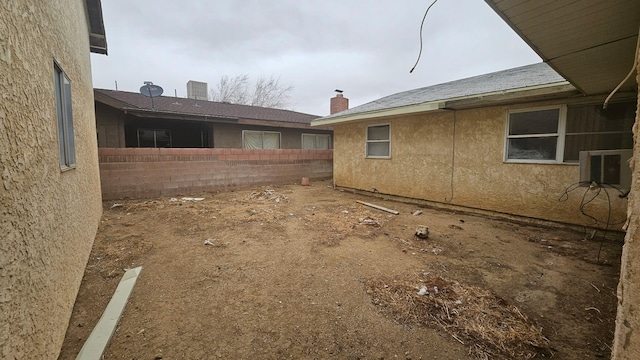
(492, 328)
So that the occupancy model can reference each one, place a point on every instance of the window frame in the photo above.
(367, 142)
(315, 141)
(560, 134)
(262, 138)
(64, 115)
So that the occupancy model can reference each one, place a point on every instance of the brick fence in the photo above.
(149, 172)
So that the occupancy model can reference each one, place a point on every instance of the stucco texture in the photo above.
(626, 344)
(48, 218)
(456, 158)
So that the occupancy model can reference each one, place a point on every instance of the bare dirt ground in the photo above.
(308, 273)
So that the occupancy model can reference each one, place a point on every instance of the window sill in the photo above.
(538, 162)
(378, 157)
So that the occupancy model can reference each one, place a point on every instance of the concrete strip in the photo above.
(101, 334)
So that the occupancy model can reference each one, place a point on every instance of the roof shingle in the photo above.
(177, 105)
(516, 78)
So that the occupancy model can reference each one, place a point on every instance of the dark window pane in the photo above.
(534, 122)
(542, 148)
(593, 118)
(576, 143)
(611, 169)
(596, 166)
(146, 138)
(163, 138)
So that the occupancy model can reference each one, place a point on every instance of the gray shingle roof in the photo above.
(168, 104)
(516, 78)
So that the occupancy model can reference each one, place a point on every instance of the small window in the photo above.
(378, 141)
(316, 141)
(154, 138)
(534, 135)
(64, 110)
(260, 139)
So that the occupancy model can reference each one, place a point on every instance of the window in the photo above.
(260, 139)
(533, 135)
(65, 118)
(155, 138)
(378, 141)
(590, 127)
(316, 141)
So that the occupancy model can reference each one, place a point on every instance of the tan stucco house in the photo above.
(469, 148)
(127, 119)
(50, 202)
(507, 142)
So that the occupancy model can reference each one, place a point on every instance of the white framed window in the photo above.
(378, 141)
(535, 135)
(316, 141)
(252, 139)
(64, 112)
(155, 138)
(557, 134)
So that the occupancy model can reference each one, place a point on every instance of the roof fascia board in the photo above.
(484, 99)
(177, 116)
(424, 107)
(529, 95)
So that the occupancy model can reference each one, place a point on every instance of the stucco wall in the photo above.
(48, 218)
(626, 344)
(428, 163)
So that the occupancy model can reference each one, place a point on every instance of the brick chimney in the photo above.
(338, 103)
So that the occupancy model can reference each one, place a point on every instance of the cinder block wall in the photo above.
(148, 172)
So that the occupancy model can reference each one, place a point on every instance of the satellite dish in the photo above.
(151, 90)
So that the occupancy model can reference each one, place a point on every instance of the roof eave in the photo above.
(563, 88)
(97, 34)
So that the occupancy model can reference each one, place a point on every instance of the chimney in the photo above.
(339, 103)
(197, 90)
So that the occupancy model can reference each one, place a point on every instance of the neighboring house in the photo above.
(507, 142)
(50, 203)
(593, 44)
(126, 119)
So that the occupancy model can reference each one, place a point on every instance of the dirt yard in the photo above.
(307, 273)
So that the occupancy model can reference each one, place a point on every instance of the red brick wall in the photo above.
(149, 172)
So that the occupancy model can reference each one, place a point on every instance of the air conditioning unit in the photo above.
(606, 167)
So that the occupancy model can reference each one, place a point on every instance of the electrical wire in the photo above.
(421, 26)
(586, 200)
(633, 68)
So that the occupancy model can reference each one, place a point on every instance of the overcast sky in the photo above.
(363, 47)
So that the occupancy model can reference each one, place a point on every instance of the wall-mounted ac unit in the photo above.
(606, 167)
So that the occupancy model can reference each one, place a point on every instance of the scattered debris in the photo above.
(369, 221)
(116, 205)
(422, 232)
(192, 199)
(493, 328)
(592, 308)
(455, 227)
(417, 212)
(268, 194)
(209, 241)
(378, 207)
